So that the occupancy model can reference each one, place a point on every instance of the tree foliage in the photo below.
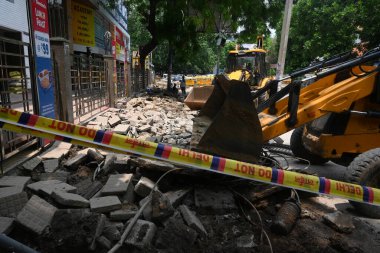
(324, 28)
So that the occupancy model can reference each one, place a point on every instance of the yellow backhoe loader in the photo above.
(335, 115)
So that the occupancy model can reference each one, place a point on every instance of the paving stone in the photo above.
(121, 129)
(74, 162)
(70, 199)
(56, 151)
(117, 184)
(121, 164)
(192, 220)
(61, 176)
(87, 188)
(141, 234)
(47, 187)
(214, 200)
(105, 204)
(339, 221)
(94, 125)
(50, 165)
(32, 164)
(17, 181)
(102, 120)
(122, 214)
(109, 163)
(36, 215)
(12, 201)
(144, 186)
(6, 225)
(114, 120)
(175, 197)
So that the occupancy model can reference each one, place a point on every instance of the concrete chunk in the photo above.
(50, 165)
(94, 155)
(12, 201)
(175, 197)
(192, 220)
(36, 215)
(339, 221)
(105, 204)
(49, 186)
(87, 189)
(57, 151)
(70, 199)
(121, 129)
(6, 225)
(144, 186)
(121, 163)
(61, 176)
(151, 164)
(73, 163)
(32, 164)
(114, 120)
(117, 184)
(14, 181)
(141, 234)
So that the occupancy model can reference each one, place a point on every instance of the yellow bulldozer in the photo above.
(335, 115)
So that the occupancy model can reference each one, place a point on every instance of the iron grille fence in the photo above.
(89, 86)
(15, 91)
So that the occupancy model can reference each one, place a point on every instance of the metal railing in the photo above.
(15, 91)
(89, 86)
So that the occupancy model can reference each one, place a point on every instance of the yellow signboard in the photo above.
(83, 24)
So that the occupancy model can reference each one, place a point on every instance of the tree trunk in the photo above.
(170, 66)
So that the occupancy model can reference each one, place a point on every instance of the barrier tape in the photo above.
(62, 131)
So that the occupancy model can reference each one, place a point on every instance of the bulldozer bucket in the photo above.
(198, 97)
(228, 124)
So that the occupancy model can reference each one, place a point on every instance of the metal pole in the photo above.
(284, 39)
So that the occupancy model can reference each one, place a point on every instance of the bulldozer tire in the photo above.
(365, 170)
(299, 150)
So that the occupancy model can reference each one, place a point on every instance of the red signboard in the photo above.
(40, 16)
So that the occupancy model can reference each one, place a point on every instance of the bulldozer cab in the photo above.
(247, 65)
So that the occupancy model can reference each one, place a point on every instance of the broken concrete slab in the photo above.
(50, 165)
(56, 151)
(12, 201)
(117, 184)
(175, 197)
(87, 188)
(149, 164)
(102, 120)
(339, 221)
(144, 186)
(121, 164)
(74, 162)
(121, 129)
(124, 214)
(61, 176)
(215, 200)
(145, 128)
(192, 220)
(109, 163)
(32, 164)
(141, 234)
(105, 204)
(114, 120)
(17, 181)
(36, 215)
(70, 199)
(6, 225)
(47, 187)
(94, 155)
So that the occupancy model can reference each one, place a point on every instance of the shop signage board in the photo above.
(83, 24)
(43, 63)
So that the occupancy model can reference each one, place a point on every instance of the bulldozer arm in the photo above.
(228, 124)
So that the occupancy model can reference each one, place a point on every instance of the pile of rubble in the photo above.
(155, 119)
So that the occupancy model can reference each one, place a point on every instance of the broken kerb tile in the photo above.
(114, 120)
(14, 181)
(73, 163)
(175, 197)
(144, 186)
(141, 234)
(109, 163)
(36, 215)
(50, 165)
(105, 204)
(121, 129)
(12, 201)
(87, 188)
(6, 225)
(32, 164)
(192, 220)
(57, 151)
(121, 163)
(49, 186)
(61, 176)
(117, 184)
(70, 199)
(94, 155)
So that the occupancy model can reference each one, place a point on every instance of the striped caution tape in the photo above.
(58, 130)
